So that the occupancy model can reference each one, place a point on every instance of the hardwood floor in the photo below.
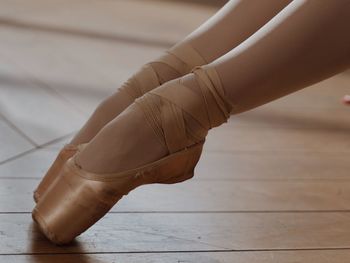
(273, 184)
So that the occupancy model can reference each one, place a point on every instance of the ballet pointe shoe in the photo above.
(180, 118)
(65, 153)
(179, 60)
(78, 199)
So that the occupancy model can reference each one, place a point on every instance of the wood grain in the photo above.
(186, 232)
(319, 256)
(207, 196)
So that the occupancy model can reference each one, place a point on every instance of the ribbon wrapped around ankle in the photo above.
(180, 59)
(168, 107)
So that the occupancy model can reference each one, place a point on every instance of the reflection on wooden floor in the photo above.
(273, 184)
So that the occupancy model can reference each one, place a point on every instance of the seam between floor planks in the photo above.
(213, 212)
(182, 251)
(36, 148)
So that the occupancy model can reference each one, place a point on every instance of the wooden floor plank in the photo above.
(34, 164)
(323, 256)
(103, 20)
(272, 165)
(186, 232)
(68, 74)
(38, 113)
(88, 61)
(207, 196)
(230, 139)
(11, 142)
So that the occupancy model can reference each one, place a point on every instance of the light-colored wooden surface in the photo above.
(273, 184)
(324, 256)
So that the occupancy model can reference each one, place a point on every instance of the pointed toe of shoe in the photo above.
(44, 228)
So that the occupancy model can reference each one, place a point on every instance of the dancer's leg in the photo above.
(231, 25)
(306, 43)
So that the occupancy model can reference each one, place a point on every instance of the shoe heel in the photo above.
(192, 160)
(179, 179)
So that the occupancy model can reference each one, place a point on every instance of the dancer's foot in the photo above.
(126, 142)
(171, 121)
(175, 63)
(174, 116)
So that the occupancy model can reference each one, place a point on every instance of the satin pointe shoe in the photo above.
(180, 118)
(179, 60)
(65, 153)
